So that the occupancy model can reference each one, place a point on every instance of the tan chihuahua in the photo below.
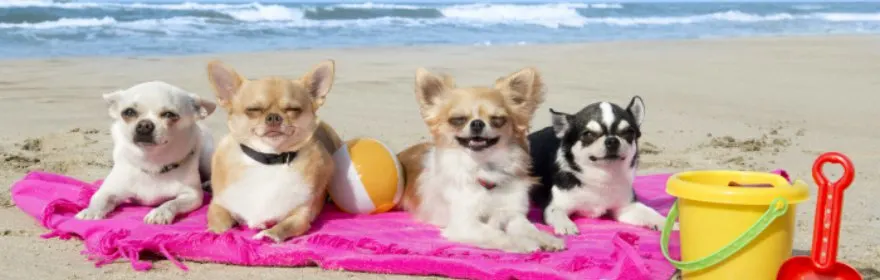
(473, 180)
(272, 170)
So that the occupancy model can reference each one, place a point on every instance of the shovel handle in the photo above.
(829, 203)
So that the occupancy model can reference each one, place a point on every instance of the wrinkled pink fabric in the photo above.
(390, 243)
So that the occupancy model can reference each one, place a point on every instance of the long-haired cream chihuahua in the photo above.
(473, 180)
(272, 170)
(161, 154)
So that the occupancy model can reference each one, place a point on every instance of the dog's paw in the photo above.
(159, 216)
(218, 229)
(566, 227)
(89, 214)
(257, 226)
(658, 227)
(521, 245)
(549, 242)
(268, 233)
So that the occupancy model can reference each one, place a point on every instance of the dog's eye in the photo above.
(170, 115)
(254, 110)
(129, 113)
(590, 134)
(498, 121)
(457, 121)
(629, 133)
(292, 110)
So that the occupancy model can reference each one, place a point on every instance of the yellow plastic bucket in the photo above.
(732, 232)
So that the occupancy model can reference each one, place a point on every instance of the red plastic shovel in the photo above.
(822, 262)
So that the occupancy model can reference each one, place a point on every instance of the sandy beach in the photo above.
(747, 104)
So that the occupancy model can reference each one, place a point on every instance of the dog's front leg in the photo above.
(465, 227)
(297, 223)
(639, 214)
(511, 216)
(219, 219)
(108, 196)
(526, 234)
(484, 236)
(558, 213)
(164, 214)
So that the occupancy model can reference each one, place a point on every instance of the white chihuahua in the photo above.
(160, 153)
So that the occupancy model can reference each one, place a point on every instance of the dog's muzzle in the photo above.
(143, 132)
(612, 145)
(477, 143)
(477, 127)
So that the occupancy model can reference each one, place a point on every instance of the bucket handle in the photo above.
(777, 208)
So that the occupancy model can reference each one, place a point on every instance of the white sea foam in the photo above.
(266, 13)
(731, 16)
(47, 4)
(111, 5)
(378, 6)
(255, 16)
(550, 15)
(98, 27)
(848, 16)
(170, 26)
(337, 23)
(62, 23)
(606, 6)
(186, 6)
(174, 25)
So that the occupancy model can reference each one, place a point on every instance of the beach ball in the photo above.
(368, 178)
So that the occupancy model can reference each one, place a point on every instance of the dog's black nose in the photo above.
(274, 119)
(612, 143)
(477, 126)
(144, 127)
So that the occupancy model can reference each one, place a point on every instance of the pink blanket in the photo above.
(390, 243)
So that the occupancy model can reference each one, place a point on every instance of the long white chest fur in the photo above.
(601, 190)
(450, 183)
(265, 194)
(149, 188)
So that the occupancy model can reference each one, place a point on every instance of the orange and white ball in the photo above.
(368, 178)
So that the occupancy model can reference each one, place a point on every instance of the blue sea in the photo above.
(126, 28)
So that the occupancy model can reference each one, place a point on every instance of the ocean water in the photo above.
(32, 28)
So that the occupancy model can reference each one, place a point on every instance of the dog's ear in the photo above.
(560, 123)
(225, 81)
(429, 88)
(112, 101)
(636, 108)
(319, 81)
(203, 107)
(524, 92)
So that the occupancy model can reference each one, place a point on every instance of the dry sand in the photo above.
(754, 104)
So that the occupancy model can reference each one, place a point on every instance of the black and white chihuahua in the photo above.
(587, 162)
